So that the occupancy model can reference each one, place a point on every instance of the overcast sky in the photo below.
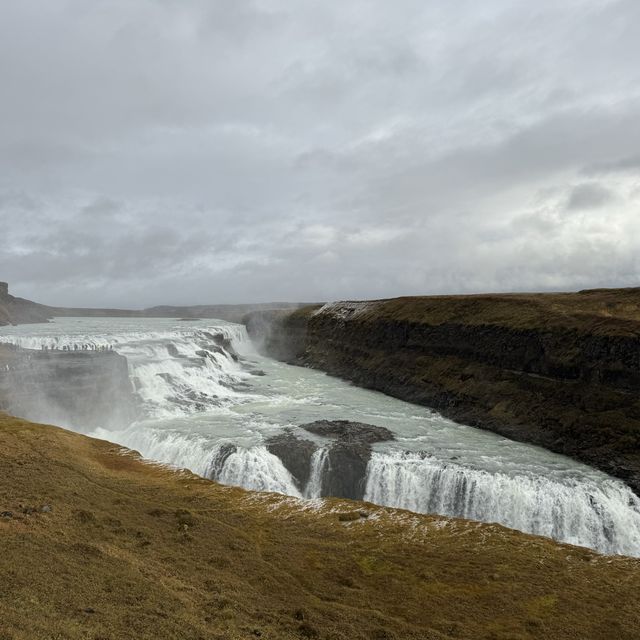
(194, 151)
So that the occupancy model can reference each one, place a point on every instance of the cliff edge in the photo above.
(557, 370)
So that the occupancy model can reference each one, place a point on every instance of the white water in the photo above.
(318, 465)
(194, 407)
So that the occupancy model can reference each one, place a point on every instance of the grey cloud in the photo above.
(192, 152)
(629, 163)
(589, 196)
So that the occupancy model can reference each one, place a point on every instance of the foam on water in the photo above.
(170, 374)
(257, 469)
(603, 515)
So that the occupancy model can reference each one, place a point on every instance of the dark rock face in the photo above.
(81, 389)
(348, 456)
(295, 455)
(349, 450)
(278, 333)
(570, 384)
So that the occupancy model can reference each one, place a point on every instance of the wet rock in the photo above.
(223, 342)
(348, 456)
(295, 454)
(217, 463)
(347, 431)
(347, 463)
(214, 348)
(173, 351)
(6, 514)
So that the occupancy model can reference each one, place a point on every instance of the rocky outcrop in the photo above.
(295, 454)
(348, 450)
(557, 370)
(279, 333)
(348, 455)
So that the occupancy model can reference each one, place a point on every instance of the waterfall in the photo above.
(166, 446)
(256, 469)
(603, 515)
(176, 372)
(318, 463)
(202, 409)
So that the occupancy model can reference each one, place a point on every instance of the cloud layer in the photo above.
(172, 151)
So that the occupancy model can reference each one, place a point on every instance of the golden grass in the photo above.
(133, 550)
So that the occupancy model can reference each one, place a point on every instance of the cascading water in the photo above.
(206, 405)
(603, 515)
(175, 371)
(318, 465)
(257, 469)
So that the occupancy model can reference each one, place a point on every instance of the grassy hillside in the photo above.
(101, 545)
(593, 311)
(597, 311)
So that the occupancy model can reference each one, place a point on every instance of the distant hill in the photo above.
(20, 311)
(229, 312)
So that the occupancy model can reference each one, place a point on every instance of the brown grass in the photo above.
(133, 550)
(597, 311)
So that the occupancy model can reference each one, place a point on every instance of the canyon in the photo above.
(560, 371)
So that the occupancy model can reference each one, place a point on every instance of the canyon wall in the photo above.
(557, 370)
(82, 389)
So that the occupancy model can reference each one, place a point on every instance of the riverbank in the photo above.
(557, 370)
(97, 543)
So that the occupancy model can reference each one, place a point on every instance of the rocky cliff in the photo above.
(557, 370)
